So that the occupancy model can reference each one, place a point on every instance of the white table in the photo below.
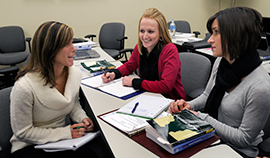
(121, 145)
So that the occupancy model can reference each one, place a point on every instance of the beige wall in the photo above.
(87, 16)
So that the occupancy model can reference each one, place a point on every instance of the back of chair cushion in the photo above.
(195, 70)
(12, 39)
(108, 34)
(5, 128)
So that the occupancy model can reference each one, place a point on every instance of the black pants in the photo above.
(31, 152)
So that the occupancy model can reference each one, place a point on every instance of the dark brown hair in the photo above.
(240, 30)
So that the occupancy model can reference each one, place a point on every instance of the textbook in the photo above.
(114, 88)
(179, 131)
(146, 106)
(68, 144)
(94, 66)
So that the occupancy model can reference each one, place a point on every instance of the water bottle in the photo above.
(172, 29)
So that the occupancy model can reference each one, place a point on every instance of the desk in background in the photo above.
(121, 145)
(208, 52)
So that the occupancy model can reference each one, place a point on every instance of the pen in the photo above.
(104, 72)
(76, 127)
(135, 106)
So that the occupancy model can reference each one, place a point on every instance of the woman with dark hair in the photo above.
(236, 99)
(46, 91)
(156, 58)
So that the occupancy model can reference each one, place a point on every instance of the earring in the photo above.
(160, 39)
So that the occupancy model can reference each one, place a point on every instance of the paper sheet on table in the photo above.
(114, 87)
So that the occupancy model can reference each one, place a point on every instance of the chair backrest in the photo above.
(106, 150)
(5, 127)
(12, 39)
(207, 36)
(181, 26)
(109, 33)
(195, 71)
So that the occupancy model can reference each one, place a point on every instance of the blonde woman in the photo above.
(156, 58)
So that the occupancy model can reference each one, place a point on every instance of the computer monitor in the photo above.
(266, 25)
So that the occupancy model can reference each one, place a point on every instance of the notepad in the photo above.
(148, 106)
(68, 144)
(114, 88)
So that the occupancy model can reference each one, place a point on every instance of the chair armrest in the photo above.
(90, 36)
(28, 40)
(196, 33)
(11, 69)
(121, 38)
(124, 52)
(264, 146)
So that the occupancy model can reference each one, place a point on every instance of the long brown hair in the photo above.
(49, 39)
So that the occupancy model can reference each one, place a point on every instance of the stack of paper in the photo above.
(128, 124)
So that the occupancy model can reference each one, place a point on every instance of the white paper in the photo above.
(114, 87)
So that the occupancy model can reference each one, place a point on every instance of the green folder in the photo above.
(94, 66)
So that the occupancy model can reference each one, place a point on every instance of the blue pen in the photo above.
(133, 110)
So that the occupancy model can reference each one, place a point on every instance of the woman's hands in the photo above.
(88, 124)
(127, 81)
(78, 130)
(107, 77)
(178, 105)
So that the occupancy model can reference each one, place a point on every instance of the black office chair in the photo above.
(102, 142)
(264, 146)
(12, 52)
(183, 26)
(195, 72)
(5, 127)
(112, 39)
